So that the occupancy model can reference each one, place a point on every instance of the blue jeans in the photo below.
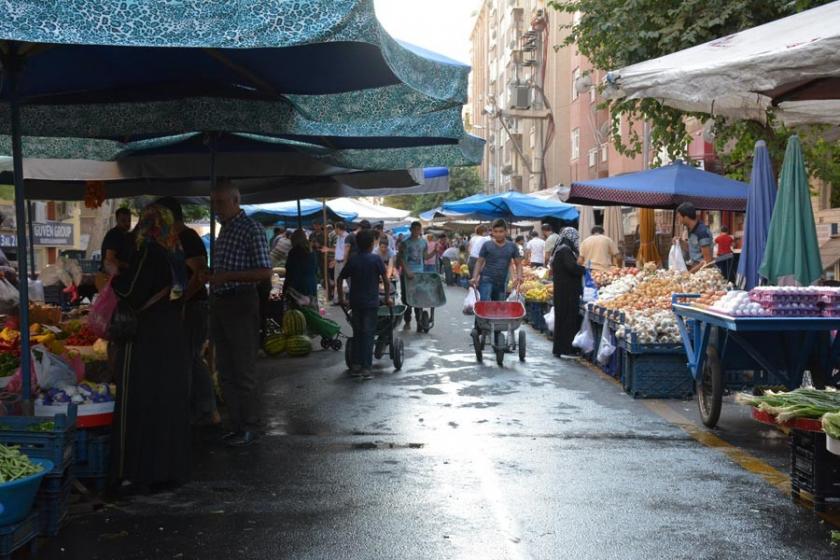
(489, 290)
(364, 331)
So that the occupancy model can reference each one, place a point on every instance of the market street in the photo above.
(453, 459)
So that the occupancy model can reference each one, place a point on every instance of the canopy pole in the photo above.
(30, 210)
(300, 219)
(211, 357)
(325, 247)
(12, 68)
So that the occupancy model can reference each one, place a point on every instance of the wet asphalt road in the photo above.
(451, 459)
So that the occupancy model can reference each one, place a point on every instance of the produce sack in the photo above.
(607, 347)
(516, 296)
(101, 312)
(549, 319)
(676, 261)
(585, 340)
(470, 300)
(51, 371)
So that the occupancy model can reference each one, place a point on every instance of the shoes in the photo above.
(245, 439)
(228, 436)
(407, 326)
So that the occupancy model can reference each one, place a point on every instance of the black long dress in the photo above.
(568, 289)
(150, 441)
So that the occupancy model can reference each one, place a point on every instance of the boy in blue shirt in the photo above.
(412, 256)
(364, 270)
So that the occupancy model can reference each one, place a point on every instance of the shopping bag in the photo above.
(101, 312)
(8, 297)
(585, 340)
(470, 301)
(516, 296)
(51, 371)
(607, 347)
(549, 320)
(676, 261)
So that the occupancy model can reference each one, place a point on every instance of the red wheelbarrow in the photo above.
(498, 320)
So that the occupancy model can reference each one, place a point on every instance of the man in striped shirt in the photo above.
(240, 262)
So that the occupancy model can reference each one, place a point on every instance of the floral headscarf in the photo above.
(158, 224)
(570, 238)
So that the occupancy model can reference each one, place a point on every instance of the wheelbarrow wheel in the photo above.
(500, 347)
(425, 322)
(521, 345)
(348, 353)
(500, 356)
(336, 345)
(478, 345)
(325, 343)
(398, 353)
(710, 388)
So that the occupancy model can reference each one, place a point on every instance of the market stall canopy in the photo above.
(664, 187)
(288, 212)
(512, 205)
(791, 64)
(303, 67)
(365, 210)
(762, 199)
(792, 254)
(437, 213)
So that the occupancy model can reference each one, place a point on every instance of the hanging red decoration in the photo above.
(94, 194)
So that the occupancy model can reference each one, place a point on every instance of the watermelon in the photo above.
(275, 344)
(294, 323)
(298, 345)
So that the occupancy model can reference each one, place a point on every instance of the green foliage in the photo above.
(463, 182)
(617, 33)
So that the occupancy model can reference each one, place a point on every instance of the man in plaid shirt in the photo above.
(240, 262)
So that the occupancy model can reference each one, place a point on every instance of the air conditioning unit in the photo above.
(520, 96)
(507, 169)
(516, 182)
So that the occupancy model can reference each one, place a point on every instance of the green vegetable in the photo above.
(15, 465)
(831, 424)
(799, 403)
(42, 427)
(835, 537)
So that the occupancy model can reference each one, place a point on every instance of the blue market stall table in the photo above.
(778, 349)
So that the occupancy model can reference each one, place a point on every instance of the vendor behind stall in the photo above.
(117, 247)
(699, 237)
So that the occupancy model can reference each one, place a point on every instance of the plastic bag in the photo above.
(51, 371)
(549, 320)
(9, 296)
(585, 340)
(606, 349)
(516, 296)
(74, 270)
(470, 301)
(101, 312)
(676, 261)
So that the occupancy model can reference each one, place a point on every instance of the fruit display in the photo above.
(85, 392)
(298, 345)
(465, 271)
(606, 277)
(84, 337)
(737, 303)
(275, 344)
(294, 323)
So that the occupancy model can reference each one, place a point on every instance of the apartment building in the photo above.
(535, 102)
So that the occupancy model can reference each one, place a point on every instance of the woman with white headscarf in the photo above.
(568, 289)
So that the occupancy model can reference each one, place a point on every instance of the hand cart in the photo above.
(499, 320)
(425, 290)
(327, 329)
(778, 350)
(388, 319)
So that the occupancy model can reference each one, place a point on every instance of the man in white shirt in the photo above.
(476, 242)
(340, 255)
(535, 250)
(450, 257)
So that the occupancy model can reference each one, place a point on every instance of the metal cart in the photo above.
(777, 350)
(499, 321)
(425, 291)
(388, 319)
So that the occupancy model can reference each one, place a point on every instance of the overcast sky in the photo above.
(442, 26)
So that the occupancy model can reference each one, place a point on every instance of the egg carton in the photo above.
(798, 312)
(831, 312)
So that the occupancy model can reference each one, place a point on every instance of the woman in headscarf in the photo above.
(301, 268)
(568, 289)
(150, 443)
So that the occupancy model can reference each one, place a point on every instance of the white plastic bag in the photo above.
(9, 296)
(516, 296)
(607, 348)
(470, 301)
(676, 261)
(584, 340)
(50, 370)
(549, 320)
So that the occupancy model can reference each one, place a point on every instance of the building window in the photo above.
(604, 152)
(575, 144)
(575, 78)
(593, 157)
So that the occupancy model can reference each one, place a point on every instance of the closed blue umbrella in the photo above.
(761, 198)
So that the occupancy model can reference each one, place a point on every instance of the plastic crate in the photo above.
(656, 376)
(16, 536)
(89, 266)
(56, 445)
(813, 468)
(53, 507)
(53, 294)
(93, 451)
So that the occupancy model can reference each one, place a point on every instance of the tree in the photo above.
(617, 33)
(463, 182)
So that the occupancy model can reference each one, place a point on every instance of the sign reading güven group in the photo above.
(53, 234)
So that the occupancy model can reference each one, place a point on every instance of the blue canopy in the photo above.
(664, 187)
(438, 212)
(760, 203)
(287, 212)
(512, 205)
